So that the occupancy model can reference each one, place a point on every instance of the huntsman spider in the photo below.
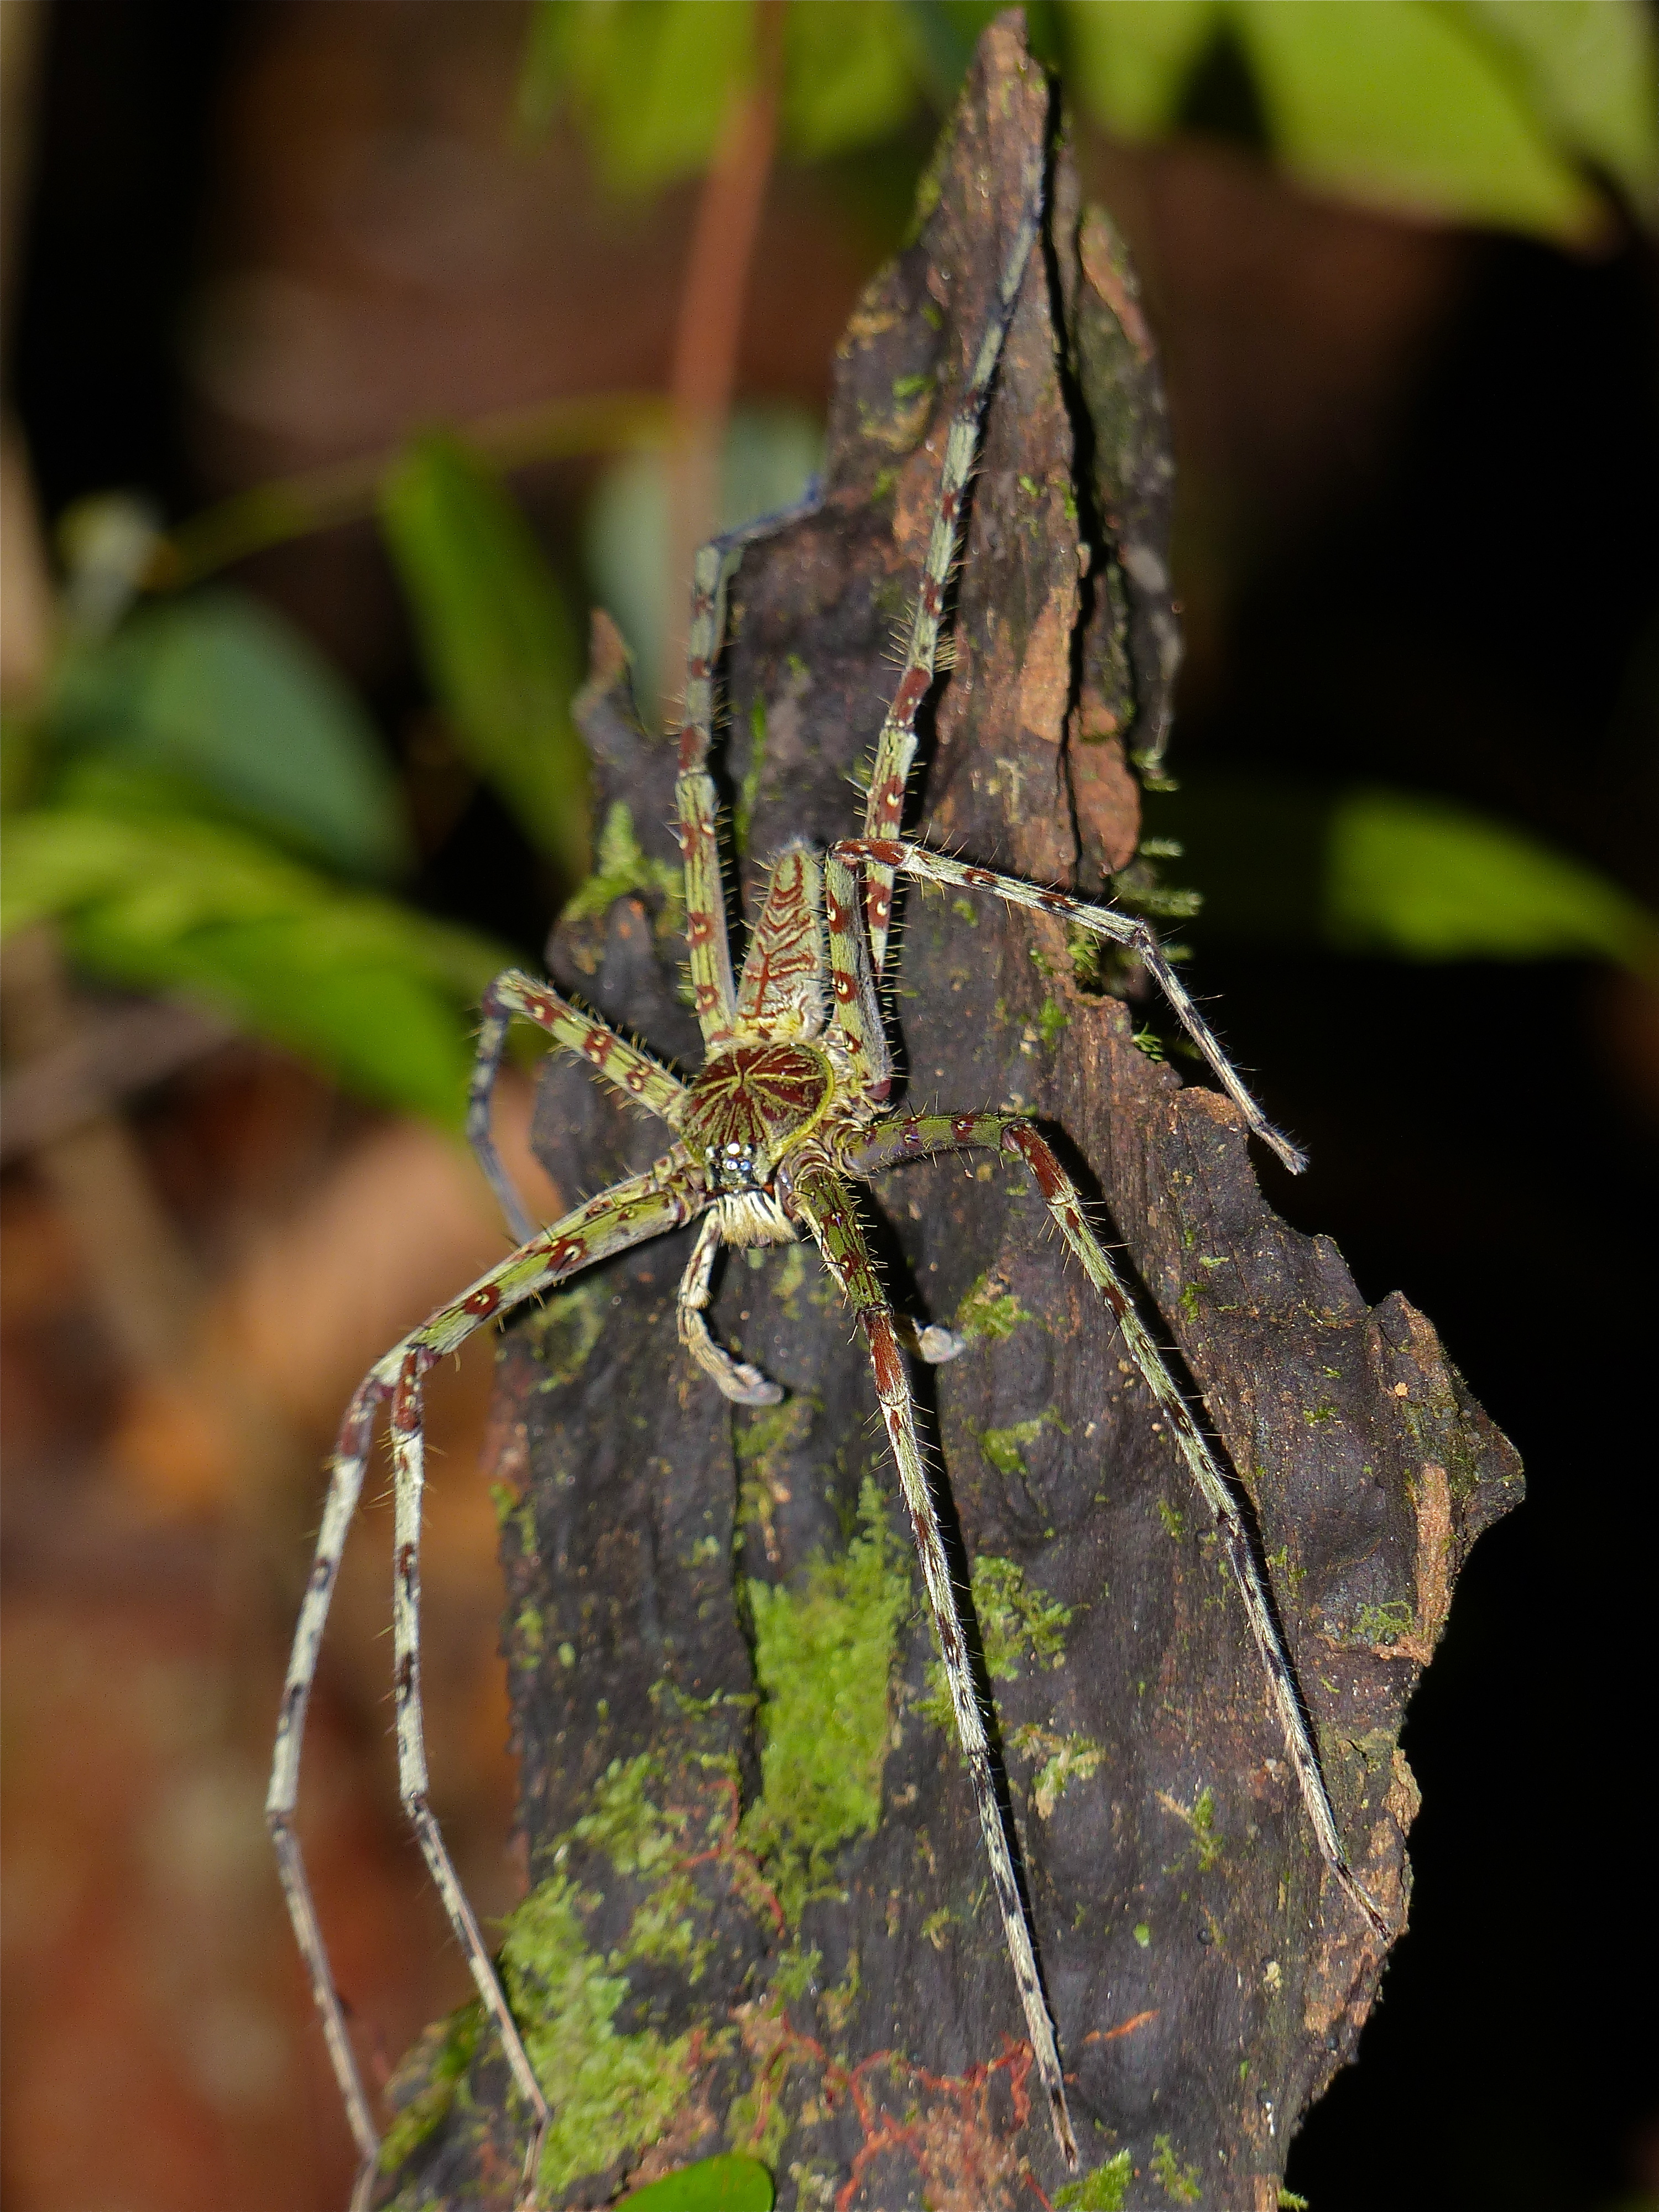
(787, 1112)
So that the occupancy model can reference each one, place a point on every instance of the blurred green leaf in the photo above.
(222, 691)
(496, 639)
(1388, 872)
(373, 992)
(1130, 62)
(1592, 67)
(1396, 104)
(1465, 111)
(650, 80)
(1431, 881)
(725, 2184)
(849, 74)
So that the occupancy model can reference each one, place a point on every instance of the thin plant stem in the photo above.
(322, 499)
(710, 326)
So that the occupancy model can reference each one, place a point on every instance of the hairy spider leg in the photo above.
(646, 1205)
(743, 1384)
(1129, 930)
(828, 1206)
(714, 992)
(855, 1011)
(623, 1065)
(917, 1135)
(896, 748)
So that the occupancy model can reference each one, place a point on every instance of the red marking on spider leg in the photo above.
(843, 986)
(964, 1125)
(690, 747)
(699, 927)
(981, 878)
(406, 1399)
(405, 1566)
(597, 1046)
(881, 903)
(483, 1300)
(404, 1678)
(707, 998)
(932, 599)
(635, 1080)
(565, 1251)
(1057, 902)
(913, 690)
(884, 1353)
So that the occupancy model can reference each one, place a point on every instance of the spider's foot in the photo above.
(938, 1347)
(746, 1386)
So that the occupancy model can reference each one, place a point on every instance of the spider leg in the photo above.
(896, 748)
(1104, 922)
(743, 1384)
(827, 1206)
(713, 988)
(913, 1137)
(644, 1206)
(623, 1065)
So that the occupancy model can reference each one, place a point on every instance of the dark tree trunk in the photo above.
(760, 1917)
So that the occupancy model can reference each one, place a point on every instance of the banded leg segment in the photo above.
(917, 1135)
(623, 1065)
(827, 1206)
(896, 748)
(642, 1207)
(1103, 921)
(714, 992)
(743, 1384)
(345, 1483)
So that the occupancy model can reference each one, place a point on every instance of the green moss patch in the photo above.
(824, 1655)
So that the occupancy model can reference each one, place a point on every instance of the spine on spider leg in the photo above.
(896, 748)
(695, 802)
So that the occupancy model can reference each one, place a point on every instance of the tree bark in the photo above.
(759, 1916)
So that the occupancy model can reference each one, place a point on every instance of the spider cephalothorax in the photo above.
(787, 1115)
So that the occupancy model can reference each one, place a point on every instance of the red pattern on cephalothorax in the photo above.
(758, 1094)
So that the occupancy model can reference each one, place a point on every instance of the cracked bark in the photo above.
(1206, 1975)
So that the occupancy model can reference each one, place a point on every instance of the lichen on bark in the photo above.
(788, 1952)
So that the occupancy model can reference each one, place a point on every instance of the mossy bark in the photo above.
(760, 1917)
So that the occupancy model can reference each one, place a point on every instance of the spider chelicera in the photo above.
(787, 1112)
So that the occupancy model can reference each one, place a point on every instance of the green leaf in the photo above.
(1389, 872)
(849, 75)
(496, 639)
(651, 81)
(223, 692)
(1394, 103)
(1131, 62)
(1592, 67)
(370, 990)
(1426, 880)
(715, 2184)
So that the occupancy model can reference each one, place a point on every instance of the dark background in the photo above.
(1416, 544)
